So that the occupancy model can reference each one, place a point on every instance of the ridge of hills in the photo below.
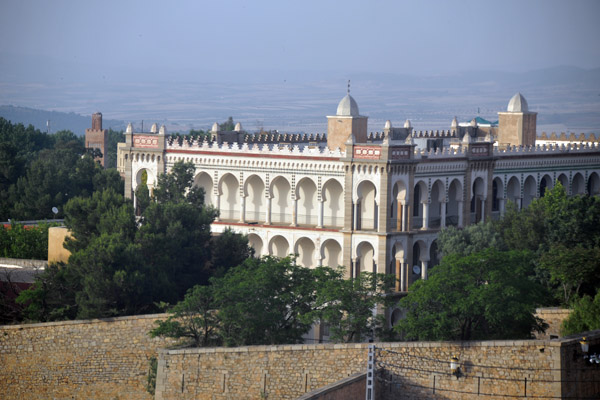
(76, 123)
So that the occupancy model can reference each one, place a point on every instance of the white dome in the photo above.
(347, 107)
(129, 128)
(163, 130)
(474, 123)
(517, 104)
(215, 127)
(388, 124)
(407, 124)
(238, 127)
(154, 128)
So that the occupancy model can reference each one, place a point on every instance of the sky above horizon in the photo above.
(404, 37)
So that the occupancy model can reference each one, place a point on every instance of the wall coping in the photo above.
(553, 310)
(333, 386)
(82, 321)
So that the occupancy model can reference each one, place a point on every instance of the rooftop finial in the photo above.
(348, 86)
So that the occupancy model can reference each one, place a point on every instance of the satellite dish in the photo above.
(55, 210)
(416, 270)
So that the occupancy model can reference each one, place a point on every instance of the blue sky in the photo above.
(412, 37)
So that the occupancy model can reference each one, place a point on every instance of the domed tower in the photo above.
(346, 124)
(517, 125)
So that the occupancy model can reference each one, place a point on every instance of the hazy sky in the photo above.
(348, 36)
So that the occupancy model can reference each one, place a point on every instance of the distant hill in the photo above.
(58, 120)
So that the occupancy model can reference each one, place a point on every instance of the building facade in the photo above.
(370, 202)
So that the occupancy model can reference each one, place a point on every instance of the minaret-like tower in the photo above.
(96, 137)
(517, 125)
(346, 124)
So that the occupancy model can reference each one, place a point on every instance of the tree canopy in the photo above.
(122, 266)
(39, 171)
(275, 301)
(484, 295)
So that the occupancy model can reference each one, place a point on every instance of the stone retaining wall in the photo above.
(554, 318)
(415, 370)
(91, 359)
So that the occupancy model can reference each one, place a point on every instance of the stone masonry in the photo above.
(90, 359)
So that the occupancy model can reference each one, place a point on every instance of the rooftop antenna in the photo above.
(48, 126)
(142, 126)
(348, 86)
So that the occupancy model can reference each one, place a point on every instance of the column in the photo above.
(502, 205)
(268, 213)
(320, 216)
(424, 269)
(405, 211)
(353, 267)
(425, 215)
(399, 215)
(295, 212)
(443, 216)
(243, 209)
(355, 216)
(218, 206)
(460, 214)
(483, 209)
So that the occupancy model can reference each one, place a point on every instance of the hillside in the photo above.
(58, 120)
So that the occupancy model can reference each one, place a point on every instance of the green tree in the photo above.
(470, 239)
(485, 295)
(17, 241)
(122, 266)
(142, 196)
(574, 270)
(263, 301)
(228, 125)
(113, 138)
(195, 318)
(584, 317)
(228, 250)
(349, 306)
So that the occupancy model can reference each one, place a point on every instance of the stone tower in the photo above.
(96, 137)
(346, 124)
(517, 125)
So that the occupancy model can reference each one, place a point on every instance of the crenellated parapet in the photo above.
(572, 137)
(548, 149)
(286, 138)
(435, 134)
(260, 148)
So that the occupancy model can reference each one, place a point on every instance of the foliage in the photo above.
(39, 171)
(228, 250)
(113, 138)
(228, 125)
(470, 239)
(584, 317)
(151, 377)
(18, 241)
(349, 306)
(121, 266)
(195, 317)
(564, 234)
(263, 300)
(52, 296)
(572, 270)
(484, 295)
(142, 198)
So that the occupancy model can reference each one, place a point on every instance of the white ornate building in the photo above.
(373, 202)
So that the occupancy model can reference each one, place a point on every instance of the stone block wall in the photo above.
(415, 370)
(273, 372)
(91, 359)
(352, 388)
(554, 318)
